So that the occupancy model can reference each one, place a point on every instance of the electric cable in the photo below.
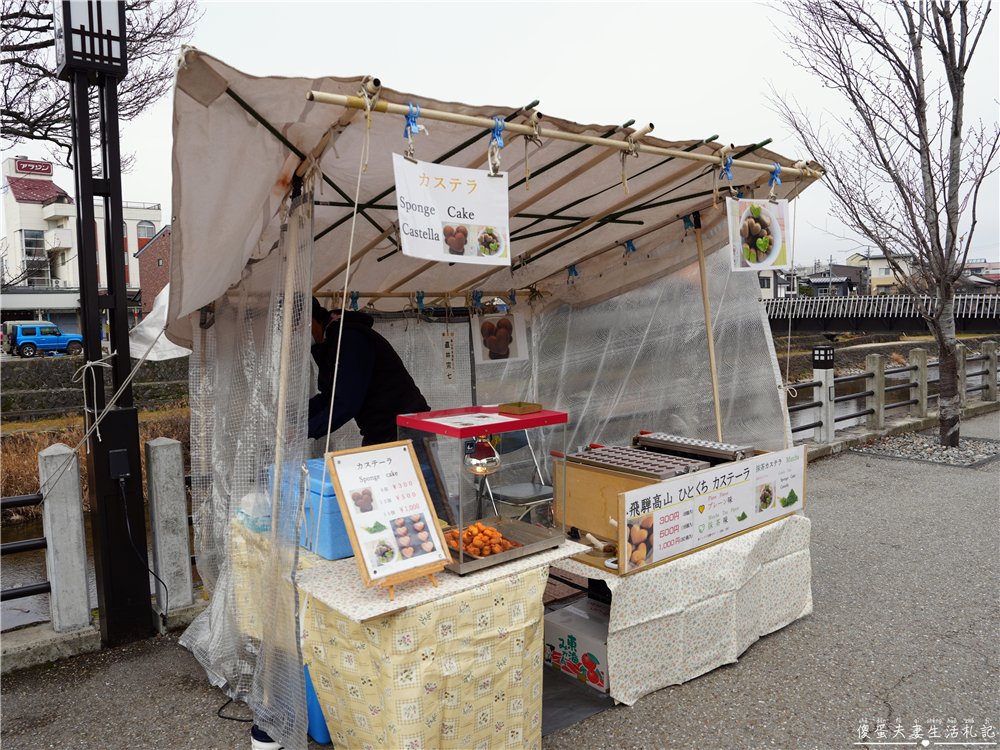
(230, 718)
(128, 525)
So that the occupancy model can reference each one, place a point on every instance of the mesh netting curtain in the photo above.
(249, 376)
(638, 361)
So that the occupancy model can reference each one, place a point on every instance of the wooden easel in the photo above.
(425, 570)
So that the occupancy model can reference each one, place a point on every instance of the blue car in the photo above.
(28, 339)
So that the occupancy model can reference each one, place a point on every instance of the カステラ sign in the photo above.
(451, 214)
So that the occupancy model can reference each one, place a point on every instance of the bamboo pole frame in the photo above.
(357, 102)
(636, 196)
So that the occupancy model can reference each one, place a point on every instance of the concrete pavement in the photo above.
(906, 560)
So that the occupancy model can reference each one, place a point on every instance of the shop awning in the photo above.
(239, 139)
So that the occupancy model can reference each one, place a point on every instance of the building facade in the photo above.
(882, 278)
(154, 267)
(39, 264)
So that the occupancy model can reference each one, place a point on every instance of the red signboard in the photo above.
(25, 166)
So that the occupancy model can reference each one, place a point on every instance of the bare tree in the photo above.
(35, 102)
(904, 169)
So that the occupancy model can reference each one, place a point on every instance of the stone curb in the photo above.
(40, 644)
(32, 647)
(856, 436)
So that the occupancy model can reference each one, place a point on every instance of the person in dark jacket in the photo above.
(373, 386)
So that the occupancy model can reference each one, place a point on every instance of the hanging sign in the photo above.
(684, 513)
(501, 338)
(451, 214)
(385, 506)
(757, 234)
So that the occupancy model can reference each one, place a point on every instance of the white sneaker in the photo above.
(261, 740)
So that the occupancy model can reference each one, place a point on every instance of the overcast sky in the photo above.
(694, 70)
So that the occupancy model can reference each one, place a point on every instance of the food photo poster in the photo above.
(499, 338)
(757, 234)
(386, 507)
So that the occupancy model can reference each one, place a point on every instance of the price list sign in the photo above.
(684, 513)
(389, 518)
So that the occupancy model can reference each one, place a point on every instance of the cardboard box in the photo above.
(576, 641)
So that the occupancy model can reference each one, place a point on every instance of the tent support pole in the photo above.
(356, 102)
(708, 325)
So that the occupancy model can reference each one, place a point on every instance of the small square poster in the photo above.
(499, 338)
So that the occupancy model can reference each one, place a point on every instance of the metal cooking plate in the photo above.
(635, 460)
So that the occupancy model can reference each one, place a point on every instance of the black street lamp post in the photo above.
(90, 51)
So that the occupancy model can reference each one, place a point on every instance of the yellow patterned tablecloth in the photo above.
(453, 666)
(464, 671)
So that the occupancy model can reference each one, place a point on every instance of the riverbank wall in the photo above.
(43, 387)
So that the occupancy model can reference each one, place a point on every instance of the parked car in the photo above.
(28, 339)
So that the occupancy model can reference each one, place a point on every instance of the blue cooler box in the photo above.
(332, 542)
(317, 721)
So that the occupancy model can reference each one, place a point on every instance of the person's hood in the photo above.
(355, 316)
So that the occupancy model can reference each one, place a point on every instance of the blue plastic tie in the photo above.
(572, 271)
(727, 169)
(411, 121)
(739, 194)
(355, 296)
(477, 299)
(420, 301)
(513, 297)
(774, 175)
(497, 130)
(688, 222)
(629, 247)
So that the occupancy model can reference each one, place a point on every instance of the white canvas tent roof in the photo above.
(233, 165)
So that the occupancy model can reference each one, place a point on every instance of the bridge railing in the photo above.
(875, 405)
(878, 306)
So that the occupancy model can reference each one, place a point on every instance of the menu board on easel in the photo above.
(388, 514)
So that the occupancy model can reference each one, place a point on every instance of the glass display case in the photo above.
(489, 475)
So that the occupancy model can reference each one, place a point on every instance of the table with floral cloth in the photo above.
(453, 666)
(674, 622)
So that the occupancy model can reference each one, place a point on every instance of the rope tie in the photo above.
(411, 128)
(80, 376)
(370, 102)
(496, 143)
(632, 150)
(537, 140)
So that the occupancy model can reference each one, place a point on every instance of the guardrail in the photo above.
(24, 545)
(62, 525)
(825, 386)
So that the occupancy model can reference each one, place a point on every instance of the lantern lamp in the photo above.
(90, 36)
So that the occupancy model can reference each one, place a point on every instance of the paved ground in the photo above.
(906, 563)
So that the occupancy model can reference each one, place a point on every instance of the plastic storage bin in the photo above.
(332, 541)
(317, 722)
